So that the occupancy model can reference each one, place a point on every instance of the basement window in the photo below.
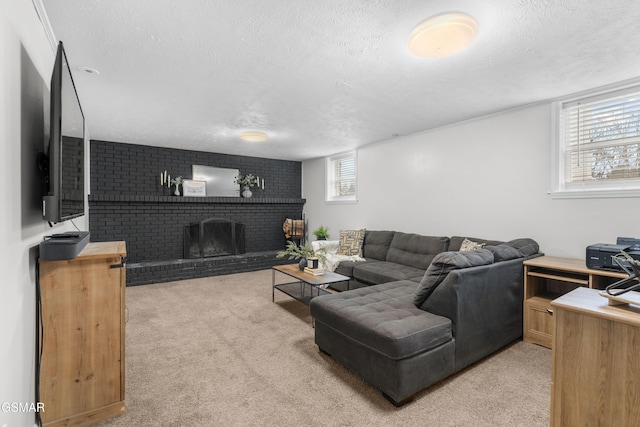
(341, 178)
(597, 145)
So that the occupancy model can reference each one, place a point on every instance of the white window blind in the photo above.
(342, 177)
(600, 142)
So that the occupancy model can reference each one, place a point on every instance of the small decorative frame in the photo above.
(192, 188)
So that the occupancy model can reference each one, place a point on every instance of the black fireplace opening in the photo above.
(213, 237)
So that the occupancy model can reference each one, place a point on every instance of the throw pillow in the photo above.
(503, 252)
(526, 246)
(470, 245)
(443, 264)
(351, 242)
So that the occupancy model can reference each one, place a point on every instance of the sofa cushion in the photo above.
(351, 242)
(503, 252)
(526, 246)
(346, 267)
(456, 242)
(415, 250)
(384, 319)
(375, 272)
(376, 244)
(444, 263)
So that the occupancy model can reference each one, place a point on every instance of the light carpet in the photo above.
(217, 352)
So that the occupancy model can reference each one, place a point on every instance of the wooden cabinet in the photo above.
(82, 371)
(595, 363)
(547, 278)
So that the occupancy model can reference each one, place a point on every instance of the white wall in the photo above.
(486, 178)
(27, 60)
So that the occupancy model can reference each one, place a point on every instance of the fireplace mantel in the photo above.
(133, 198)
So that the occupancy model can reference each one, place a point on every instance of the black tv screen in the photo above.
(66, 152)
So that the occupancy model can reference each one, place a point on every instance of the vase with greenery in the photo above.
(321, 233)
(302, 252)
(177, 181)
(246, 182)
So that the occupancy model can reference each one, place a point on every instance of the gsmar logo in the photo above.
(22, 407)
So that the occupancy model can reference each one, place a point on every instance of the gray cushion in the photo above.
(526, 246)
(444, 263)
(376, 244)
(503, 252)
(346, 267)
(375, 272)
(383, 318)
(415, 250)
(456, 242)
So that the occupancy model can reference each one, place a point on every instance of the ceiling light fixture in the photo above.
(253, 136)
(442, 35)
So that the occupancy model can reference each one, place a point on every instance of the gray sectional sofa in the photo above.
(429, 311)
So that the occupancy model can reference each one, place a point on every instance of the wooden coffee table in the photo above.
(306, 286)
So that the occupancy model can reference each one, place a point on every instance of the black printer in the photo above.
(600, 255)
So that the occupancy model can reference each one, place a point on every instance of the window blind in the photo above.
(345, 177)
(601, 137)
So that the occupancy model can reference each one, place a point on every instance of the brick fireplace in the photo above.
(213, 237)
(127, 203)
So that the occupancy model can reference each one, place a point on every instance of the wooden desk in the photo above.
(595, 362)
(547, 278)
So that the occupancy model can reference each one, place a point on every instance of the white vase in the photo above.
(246, 193)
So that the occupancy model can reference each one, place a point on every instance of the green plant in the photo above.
(247, 180)
(295, 251)
(321, 232)
(176, 181)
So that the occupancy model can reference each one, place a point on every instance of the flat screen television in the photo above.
(64, 163)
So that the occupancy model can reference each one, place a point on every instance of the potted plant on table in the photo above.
(302, 252)
(321, 233)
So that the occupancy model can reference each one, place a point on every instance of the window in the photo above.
(342, 178)
(598, 145)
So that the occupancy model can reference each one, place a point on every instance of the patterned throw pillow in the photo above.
(351, 242)
(470, 245)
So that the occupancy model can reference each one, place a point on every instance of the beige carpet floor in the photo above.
(217, 352)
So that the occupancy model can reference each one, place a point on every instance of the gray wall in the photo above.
(151, 221)
(25, 73)
(485, 178)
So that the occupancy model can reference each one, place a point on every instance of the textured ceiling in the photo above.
(325, 76)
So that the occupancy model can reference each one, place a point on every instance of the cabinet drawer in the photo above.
(539, 322)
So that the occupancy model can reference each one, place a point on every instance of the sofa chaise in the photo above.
(429, 309)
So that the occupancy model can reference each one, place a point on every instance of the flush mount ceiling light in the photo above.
(442, 35)
(253, 136)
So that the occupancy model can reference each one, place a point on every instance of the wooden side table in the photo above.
(82, 372)
(547, 278)
(595, 361)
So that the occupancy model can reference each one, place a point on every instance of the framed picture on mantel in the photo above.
(192, 188)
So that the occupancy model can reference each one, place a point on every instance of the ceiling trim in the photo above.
(46, 25)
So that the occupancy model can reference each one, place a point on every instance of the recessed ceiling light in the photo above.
(89, 70)
(442, 35)
(253, 136)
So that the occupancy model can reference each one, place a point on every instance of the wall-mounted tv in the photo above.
(64, 162)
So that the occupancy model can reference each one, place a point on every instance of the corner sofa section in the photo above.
(434, 311)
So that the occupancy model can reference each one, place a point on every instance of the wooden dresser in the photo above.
(595, 362)
(82, 369)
